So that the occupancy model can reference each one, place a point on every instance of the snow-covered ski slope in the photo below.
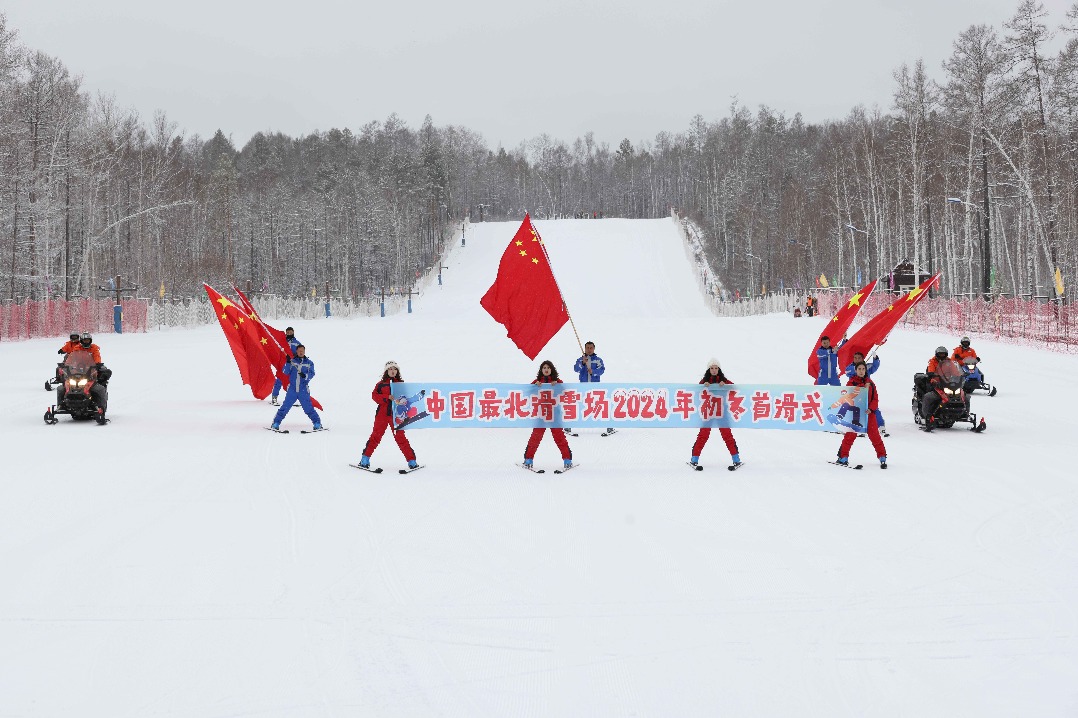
(184, 562)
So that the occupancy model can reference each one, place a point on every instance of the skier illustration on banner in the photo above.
(406, 411)
(846, 403)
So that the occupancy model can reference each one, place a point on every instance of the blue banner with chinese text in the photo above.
(664, 406)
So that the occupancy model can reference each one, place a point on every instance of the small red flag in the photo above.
(875, 330)
(836, 328)
(525, 297)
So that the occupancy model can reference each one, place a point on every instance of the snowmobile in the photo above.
(950, 380)
(79, 376)
(975, 377)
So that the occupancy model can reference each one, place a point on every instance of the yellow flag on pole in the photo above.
(1059, 282)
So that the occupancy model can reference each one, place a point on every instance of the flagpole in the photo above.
(550, 264)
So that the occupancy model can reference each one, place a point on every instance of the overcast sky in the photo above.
(508, 71)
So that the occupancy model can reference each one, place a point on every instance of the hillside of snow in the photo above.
(182, 561)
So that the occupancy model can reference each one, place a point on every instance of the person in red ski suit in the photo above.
(861, 378)
(714, 375)
(547, 375)
(383, 397)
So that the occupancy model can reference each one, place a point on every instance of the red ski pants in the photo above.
(705, 434)
(559, 439)
(873, 435)
(381, 423)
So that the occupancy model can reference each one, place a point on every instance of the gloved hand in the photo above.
(60, 351)
(303, 375)
(422, 392)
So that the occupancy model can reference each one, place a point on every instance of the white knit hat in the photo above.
(713, 362)
(393, 364)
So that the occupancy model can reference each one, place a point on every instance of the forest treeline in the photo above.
(971, 171)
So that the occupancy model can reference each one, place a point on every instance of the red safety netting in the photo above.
(1022, 321)
(58, 317)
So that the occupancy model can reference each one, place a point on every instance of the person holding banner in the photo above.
(714, 375)
(547, 375)
(851, 372)
(383, 418)
(861, 378)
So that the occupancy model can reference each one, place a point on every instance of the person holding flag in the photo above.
(827, 360)
(293, 342)
(300, 371)
(836, 327)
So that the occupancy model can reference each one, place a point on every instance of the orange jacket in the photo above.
(960, 354)
(95, 352)
(69, 347)
(934, 365)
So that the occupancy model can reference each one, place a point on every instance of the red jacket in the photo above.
(716, 380)
(873, 395)
(70, 346)
(547, 381)
(383, 396)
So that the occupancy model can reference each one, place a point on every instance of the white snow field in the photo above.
(182, 561)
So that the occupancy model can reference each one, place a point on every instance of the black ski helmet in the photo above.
(74, 336)
(941, 352)
(965, 342)
(85, 339)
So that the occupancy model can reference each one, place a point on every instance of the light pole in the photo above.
(752, 278)
(868, 248)
(986, 247)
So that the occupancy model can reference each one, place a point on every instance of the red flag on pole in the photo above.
(277, 334)
(836, 328)
(247, 342)
(232, 332)
(875, 330)
(525, 297)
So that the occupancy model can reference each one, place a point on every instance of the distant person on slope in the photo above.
(713, 375)
(300, 371)
(861, 378)
(290, 335)
(383, 418)
(589, 368)
(546, 376)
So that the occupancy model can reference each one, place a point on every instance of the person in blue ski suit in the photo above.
(851, 372)
(828, 359)
(300, 371)
(290, 334)
(589, 368)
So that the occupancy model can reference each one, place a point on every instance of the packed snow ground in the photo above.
(182, 561)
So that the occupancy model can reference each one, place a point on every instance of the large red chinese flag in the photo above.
(876, 329)
(838, 325)
(277, 335)
(232, 332)
(259, 370)
(525, 297)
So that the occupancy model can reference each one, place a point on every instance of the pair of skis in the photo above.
(305, 431)
(534, 470)
(731, 467)
(378, 470)
(608, 432)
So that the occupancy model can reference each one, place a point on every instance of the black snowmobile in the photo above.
(83, 392)
(949, 385)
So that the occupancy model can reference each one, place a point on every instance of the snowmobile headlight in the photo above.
(82, 382)
(72, 382)
(948, 391)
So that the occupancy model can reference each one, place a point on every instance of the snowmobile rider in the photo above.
(931, 400)
(69, 346)
(964, 351)
(98, 391)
